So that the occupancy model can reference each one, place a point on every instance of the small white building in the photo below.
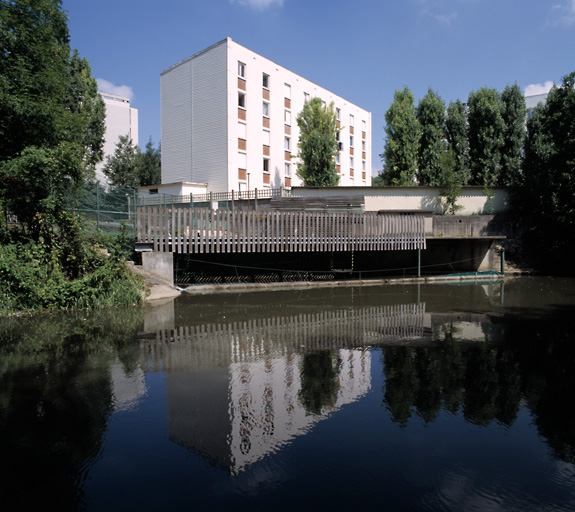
(229, 120)
(121, 119)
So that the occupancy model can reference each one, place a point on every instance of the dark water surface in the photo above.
(398, 397)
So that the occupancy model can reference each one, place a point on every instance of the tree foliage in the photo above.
(129, 167)
(51, 117)
(402, 143)
(547, 192)
(514, 114)
(486, 137)
(317, 144)
(432, 147)
(458, 139)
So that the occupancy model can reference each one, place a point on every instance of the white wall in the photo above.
(473, 199)
(194, 119)
(121, 119)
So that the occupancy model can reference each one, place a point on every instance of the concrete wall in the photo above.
(161, 264)
(473, 199)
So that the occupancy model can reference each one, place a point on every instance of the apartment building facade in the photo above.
(121, 120)
(229, 121)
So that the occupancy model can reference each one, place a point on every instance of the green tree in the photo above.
(402, 143)
(514, 114)
(122, 168)
(431, 117)
(317, 144)
(129, 167)
(486, 136)
(458, 139)
(51, 118)
(150, 168)
(450, 183)
(547, 195)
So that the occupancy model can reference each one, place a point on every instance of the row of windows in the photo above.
(265, 79)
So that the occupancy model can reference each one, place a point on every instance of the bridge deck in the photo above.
(188, 230)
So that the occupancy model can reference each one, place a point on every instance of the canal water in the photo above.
(398, 397)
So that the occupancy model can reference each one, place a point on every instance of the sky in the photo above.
(362, 50)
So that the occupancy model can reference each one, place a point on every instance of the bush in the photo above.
(33, 278)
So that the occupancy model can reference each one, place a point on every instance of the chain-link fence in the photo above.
(108, 209)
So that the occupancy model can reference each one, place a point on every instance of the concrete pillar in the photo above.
(160, 264)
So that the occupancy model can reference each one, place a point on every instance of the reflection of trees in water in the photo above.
(546, 355)
(55, 401)
(487, 382)
(481, 381)
(319, 381)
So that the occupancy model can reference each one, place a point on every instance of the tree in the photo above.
(150, 169)
(514, 114)
(51, 117)
(431, 117)
(486, 135)
(317, 144)
(547, 195)
(458, 139)
(122, 167)
(402, 143)
(450, 183)
(129, 167)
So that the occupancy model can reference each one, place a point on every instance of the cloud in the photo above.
(563, 13)
(109, 87)
(445, 19)
(259, 5)
(533, 89)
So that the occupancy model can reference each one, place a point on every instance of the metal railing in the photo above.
(234, 195)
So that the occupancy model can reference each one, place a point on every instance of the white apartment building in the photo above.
(121, 119)
(229, 122)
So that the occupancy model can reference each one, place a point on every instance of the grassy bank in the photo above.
(34, 278)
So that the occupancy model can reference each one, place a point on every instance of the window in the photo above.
(288, 170)
(266, 81)
(266, 165)
(351, 141)
(153, 191)
(241, 100)
(241, 69)
(266, 109)
(242, 161)
(338, 114)
(241, 131)
(351, 120)
(351, 162)
(287, 117)
(337, 159)
(363, 165)
(287, 144)
(306, 96)
(363, 145)
(287, 90)
(266, 138)
(364, 126)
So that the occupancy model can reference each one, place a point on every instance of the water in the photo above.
(419, 397)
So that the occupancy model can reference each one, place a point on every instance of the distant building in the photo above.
(229, 122)
(121, 119)
(532, 101)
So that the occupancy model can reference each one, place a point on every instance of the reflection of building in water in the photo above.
(234, 389)
(194, 346)
(127, 388)
(265, 411)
